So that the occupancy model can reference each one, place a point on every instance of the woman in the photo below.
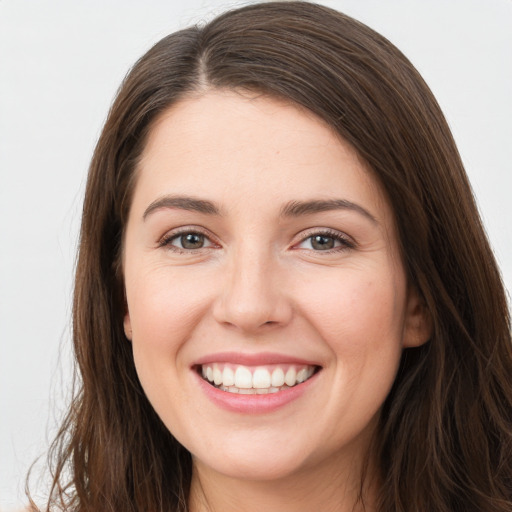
(284, 295)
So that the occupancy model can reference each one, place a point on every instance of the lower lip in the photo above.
(253, 404)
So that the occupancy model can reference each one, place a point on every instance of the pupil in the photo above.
(322, 242)
(192, 241)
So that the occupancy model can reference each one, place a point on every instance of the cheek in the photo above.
(359, 302)
(360, 319)
(163, 309)
(360, 316)
(163, 313)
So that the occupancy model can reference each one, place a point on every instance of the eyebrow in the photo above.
(183, 203)
(290, 209)
(298, 208)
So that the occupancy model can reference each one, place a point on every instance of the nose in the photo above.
(253, 296)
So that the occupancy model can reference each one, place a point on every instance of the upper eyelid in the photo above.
(176, 232)
(307, 233)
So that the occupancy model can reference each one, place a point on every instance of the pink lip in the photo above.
(253, 404)
(245, 359)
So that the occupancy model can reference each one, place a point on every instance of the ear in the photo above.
(418, 322)
(127, 324)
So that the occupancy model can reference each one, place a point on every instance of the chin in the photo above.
(254, 467)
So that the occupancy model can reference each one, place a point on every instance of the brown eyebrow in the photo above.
(182, 203)
(291, 209)
(297, 208)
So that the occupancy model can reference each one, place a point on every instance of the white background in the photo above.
(60, 65)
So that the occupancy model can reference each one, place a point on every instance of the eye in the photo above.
(325, 241)
(186, 241)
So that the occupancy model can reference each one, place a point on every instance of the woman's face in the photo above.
(261, 254)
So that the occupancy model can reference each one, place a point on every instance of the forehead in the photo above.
(250, 149)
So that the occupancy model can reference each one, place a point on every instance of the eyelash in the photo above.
(344, 242)
(167, 239)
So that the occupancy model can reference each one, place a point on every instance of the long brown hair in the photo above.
(445, 436)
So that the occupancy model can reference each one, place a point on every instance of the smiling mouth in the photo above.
(255, 380)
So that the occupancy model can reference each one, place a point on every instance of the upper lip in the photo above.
(257, 359)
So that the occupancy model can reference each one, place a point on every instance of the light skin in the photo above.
(253, 230)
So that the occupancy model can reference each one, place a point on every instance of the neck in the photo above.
(333, 488)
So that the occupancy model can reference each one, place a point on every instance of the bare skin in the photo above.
(258, 239)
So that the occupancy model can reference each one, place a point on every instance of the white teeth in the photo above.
(228, 376)
(302, 375)
(291, 377)
(260, 380)
(277, 378)
(217, 375)
(243, 378)
(252, 391)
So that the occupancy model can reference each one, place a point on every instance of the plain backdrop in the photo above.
(60, 65)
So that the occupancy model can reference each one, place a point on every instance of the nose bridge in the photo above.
(252, 296)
